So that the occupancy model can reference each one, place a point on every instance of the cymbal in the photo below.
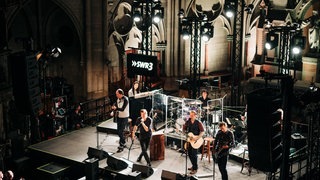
(206, 107)
(176, 99)
(197, 102)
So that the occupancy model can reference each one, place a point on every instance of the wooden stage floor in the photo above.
(72, 148)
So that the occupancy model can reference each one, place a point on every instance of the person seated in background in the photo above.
(204, 99)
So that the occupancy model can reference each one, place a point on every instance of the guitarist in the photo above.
(192, 125)
(223, 142)
(122, 107)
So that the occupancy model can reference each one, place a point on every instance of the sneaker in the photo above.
(149, 164)
(139, 159)
(193, 172)
(122, 146)
(120, 150)
(190, 169)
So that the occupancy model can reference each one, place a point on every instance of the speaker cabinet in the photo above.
(97, 153)
(264, 129)
(116, 163)
(146, 171)
(167, 175)
(25, 82)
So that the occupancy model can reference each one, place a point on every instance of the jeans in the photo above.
(121, 124)
(222, 164)
(193, 156)
(144, 143)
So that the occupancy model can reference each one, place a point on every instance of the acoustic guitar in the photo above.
(196, 144)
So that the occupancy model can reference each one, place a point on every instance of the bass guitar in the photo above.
(196, 144)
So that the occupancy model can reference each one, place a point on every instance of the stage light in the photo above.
(55, 52)
(271, 40)
(157, 12)
(185, 34)
(181, 13)
(230, 8)
(206, 31)
(298, 44)
(229, 12)
(137, 16)
(249, 8)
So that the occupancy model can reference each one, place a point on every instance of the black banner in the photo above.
(139, 64)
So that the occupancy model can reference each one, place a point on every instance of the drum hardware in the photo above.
(176, 99)
(196, 102)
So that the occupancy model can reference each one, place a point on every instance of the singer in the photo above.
(144, 124)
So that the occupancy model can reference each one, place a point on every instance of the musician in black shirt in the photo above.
(195, 127)
(204, 99)
(224, 141)
(144, 124)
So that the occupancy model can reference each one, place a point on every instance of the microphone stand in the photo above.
(186, 152)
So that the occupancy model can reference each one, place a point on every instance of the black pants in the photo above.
(193, 156)
(222, 164)
(121, 124)
(144, 143)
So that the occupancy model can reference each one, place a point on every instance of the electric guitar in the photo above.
(217, 153)
(196, 144)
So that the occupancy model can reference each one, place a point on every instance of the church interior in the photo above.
(62, 62)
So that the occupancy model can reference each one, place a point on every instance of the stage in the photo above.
(70, 151)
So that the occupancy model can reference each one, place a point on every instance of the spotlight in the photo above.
(137, 16)
(271, 40)
(230, 8)
(185, 34)
(298, 43)
(55, 52)
(181, 13)
(157, 12)
(206, 31)
(249, 8)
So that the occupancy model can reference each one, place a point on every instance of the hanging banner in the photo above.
(139, 64)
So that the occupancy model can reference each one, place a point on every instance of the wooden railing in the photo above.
(95, 110)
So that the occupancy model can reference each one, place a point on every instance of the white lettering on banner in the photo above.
(144, 65)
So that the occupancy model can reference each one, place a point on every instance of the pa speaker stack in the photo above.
(25, 82)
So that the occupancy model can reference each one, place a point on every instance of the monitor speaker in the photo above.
(167, 175)
(116, 163)
(146, 171)
(97, 153)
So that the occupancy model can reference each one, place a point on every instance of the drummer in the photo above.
(204, 99)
